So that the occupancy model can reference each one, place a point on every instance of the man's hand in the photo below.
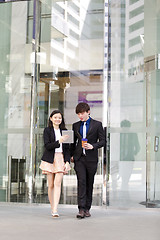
(72, 160)
(88, 146)
(67, 166)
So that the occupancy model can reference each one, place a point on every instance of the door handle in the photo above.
(156, 143)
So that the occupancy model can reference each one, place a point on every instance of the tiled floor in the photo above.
(24, 221)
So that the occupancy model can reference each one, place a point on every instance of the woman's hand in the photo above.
(72, 159)
(63, 138)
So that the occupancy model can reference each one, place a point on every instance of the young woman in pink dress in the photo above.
(56, 158)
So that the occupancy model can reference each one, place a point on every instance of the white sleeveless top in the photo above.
(58, 135)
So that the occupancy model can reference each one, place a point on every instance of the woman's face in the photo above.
(56, 119)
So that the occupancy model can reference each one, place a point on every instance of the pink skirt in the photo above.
(58, 166)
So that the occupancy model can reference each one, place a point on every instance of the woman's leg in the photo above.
(57, 190)
(50, 178)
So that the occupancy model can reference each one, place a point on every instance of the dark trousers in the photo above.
(85, 171)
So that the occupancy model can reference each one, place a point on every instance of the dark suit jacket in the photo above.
(95, 137)
(50, 144)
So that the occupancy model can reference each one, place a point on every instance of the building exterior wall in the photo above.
(55, 54)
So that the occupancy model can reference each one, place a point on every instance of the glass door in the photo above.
(126, 186)
(15, 102)
(153, 126)
(152, 79)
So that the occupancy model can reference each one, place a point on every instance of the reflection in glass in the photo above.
(15, 102)
(126, 184)
(72, 72)
(129, 147)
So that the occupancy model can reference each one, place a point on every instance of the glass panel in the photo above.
(15, 100)
(66, 64)
(153, 156)
(127, 133)
(71, 71)
(152, 78)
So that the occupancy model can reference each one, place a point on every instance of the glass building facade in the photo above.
(55, 54)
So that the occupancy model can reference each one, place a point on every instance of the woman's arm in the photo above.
(49, 145)
(66, 150)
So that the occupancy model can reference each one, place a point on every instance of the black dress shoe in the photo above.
(81, 214)
(87, 213)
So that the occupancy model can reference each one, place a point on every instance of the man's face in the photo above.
(83, 116)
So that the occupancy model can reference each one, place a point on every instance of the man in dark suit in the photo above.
(85, 159)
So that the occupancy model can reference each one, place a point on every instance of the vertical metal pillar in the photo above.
(34, 92)
(106, 88)
(106, 62)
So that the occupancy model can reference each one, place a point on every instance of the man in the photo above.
(86, 159)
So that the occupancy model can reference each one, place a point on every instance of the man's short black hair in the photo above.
(82, 107)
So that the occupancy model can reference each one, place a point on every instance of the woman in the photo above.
(56, 158)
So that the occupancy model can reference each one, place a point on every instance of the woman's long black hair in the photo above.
(62, 125)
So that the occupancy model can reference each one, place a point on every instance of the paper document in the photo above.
(70, 134)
